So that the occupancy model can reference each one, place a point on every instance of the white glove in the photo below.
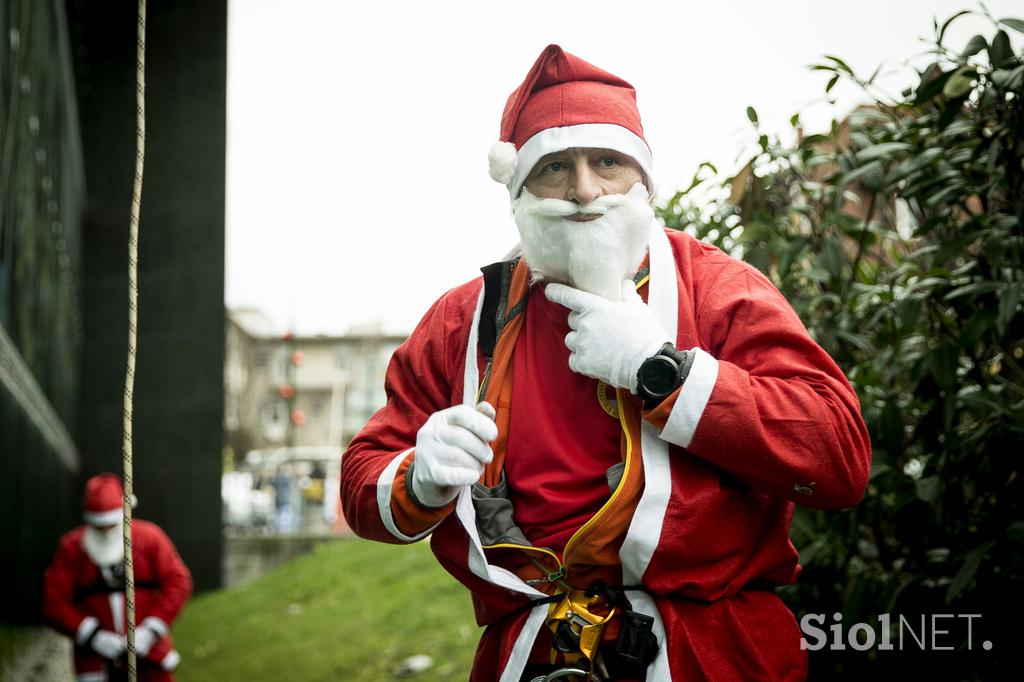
(451, 451)
(610, 340)
(145, 638)
(108, 644)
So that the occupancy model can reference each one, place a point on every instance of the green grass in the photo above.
(12, 639)
(351, 610)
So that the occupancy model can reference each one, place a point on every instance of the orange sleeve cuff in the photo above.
(411, 517)
(658, 415)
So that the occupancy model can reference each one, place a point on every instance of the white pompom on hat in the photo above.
(565, 102)
(502, 161)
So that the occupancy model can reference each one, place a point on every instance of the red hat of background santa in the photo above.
(104, 499)
(566, 102)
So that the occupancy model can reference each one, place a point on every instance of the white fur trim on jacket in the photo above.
(597, 135)
(157, 625)
(524, 644)
(644, 532)
(384, 485)
(171, 660)
(689, 407)
(658, 669)
(464, 509)
(466, 513)
(85, 629)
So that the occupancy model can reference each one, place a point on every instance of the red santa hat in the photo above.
(104, 500)
(566, 102)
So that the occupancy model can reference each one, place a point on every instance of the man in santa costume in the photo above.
(604, 435)
(83, 593)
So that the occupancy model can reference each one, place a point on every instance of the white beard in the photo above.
(105, 548)
(594, 256)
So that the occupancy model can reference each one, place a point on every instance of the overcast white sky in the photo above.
(348, 123)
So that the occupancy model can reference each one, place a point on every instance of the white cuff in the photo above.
(171, 660)
(88, 626)
(693, 398)
(384, 484)
(157, 625)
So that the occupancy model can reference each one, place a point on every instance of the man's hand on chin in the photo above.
(609, 340)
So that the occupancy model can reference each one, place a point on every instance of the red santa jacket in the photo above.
(74, 588)
(764, 419)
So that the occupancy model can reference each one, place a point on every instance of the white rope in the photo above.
(133, 315)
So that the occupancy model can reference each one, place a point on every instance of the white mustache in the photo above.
(560, 208)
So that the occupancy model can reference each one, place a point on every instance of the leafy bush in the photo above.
(897, 237)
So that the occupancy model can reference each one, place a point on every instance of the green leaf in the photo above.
(878, 469)
(933, 79)
(752, 115)
(949, 21)
(1015, 24)
(909, 312)
(817, 275)
(832, 257)
(880, 151)
(1006, 79)
(974, 46)
(857, 173)
(840, 63)
(927, 488)
(912, 164)
(967, 571)
(1015, 531)
(860, 140)
(950, 111)
(1000, 51)
(857, 340)
(831, 83)
(959, 84)
(943, 363)
(978, 324)
(1008, 300)
(808, 553)
(891, 428)
(972, 289)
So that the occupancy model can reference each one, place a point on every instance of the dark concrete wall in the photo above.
(38, 493)
(40, 208)
(179, 385)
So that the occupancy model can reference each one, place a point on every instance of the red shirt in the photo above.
(561, 440)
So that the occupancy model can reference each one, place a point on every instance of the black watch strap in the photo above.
(681, 359)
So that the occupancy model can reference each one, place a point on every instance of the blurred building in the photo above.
(302, 390)
(67, 157)
(292, 403)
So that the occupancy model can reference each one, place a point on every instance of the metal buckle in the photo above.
(559, 674)
(577, 630)
(551, 577)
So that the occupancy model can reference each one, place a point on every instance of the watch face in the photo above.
(658, 376)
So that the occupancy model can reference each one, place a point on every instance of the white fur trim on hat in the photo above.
(104, 518)
(502, 161)
(595, 135)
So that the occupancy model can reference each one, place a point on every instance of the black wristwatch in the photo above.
(661, 374)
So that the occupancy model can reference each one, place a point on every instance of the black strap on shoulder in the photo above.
(487, 332)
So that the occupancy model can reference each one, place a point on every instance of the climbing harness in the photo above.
(577, 618)
(577, 625)
(133, 315)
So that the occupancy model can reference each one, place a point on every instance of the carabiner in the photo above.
(559, 674)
